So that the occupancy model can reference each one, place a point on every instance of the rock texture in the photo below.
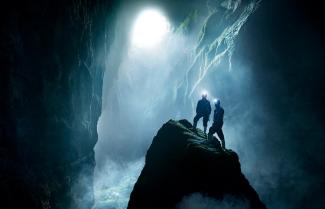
(180, 161)
(52, 63)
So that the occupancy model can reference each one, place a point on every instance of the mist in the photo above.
(145, 87)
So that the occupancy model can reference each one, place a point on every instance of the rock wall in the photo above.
(52, 63)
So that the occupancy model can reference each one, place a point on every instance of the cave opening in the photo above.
(131, 111)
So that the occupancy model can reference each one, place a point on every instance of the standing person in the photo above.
(203, 109)
(217, 124)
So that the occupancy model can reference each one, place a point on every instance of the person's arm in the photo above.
(222, 113)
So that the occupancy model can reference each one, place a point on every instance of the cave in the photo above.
(87, 87)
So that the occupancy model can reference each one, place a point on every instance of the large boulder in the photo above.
(180, 162)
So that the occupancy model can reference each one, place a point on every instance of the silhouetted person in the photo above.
(217, 124)
(203, 109)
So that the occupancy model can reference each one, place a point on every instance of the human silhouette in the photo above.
(203, 109)
(217, 124)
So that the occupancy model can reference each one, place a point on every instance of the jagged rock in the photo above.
(181, 161)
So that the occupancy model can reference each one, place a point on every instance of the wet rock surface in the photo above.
(51, 86)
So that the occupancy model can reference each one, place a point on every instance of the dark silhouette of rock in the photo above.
(180, 161)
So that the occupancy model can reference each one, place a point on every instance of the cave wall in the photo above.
(52, 64)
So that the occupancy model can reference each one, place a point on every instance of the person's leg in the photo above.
(205, 123)
(195, 120)
(221, 137)
(212, 130)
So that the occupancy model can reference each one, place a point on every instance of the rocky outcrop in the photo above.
(181, 161)
(52, 64)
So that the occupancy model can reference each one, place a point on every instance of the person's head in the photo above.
(204, 95)
(217, 103)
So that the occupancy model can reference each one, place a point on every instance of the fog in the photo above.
(144, 87)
